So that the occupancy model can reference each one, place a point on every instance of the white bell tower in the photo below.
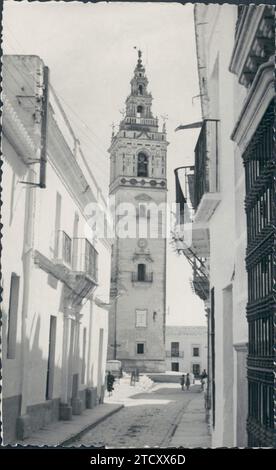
(138, 283)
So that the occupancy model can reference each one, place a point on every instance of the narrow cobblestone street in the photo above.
(163, 416)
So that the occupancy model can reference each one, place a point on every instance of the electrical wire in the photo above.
(95, 164)
(102, 150)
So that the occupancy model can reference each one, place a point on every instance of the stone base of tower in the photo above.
(144, 366)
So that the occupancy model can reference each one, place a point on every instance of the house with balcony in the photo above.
(186, 349)
(230, 195)
(252, 64)
(56, 273)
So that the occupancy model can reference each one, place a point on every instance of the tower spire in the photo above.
(139, 63)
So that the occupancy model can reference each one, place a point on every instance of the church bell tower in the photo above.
(138, 154)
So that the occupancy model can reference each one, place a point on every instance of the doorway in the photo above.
(100, 363)
(228, 364)
(196, 370)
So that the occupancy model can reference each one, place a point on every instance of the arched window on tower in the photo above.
(141, 272)
(140, 89)
(140, 110)
(142, 168)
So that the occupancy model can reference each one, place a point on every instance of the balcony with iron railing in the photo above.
(200, 282)
(83, 277)
(175, 354)
(63, 250)
(145, 278)
(206, 196)
(76, 262)
(201, 193)
(136, 122)
(85, 259)
(73, 261)
(254, 41)
(190, 236)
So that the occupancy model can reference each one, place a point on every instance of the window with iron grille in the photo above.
(140, 348)
(175, 349)
(141, 272)
(259, 264)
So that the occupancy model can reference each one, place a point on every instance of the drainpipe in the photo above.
(207, 403)
(44, 128)
(23, 422)
(89, 349)
(65, 410)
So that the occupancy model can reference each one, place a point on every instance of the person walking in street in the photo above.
(182, 381)
(203, 377)
(188, 382)
(109, 383)
(132, 378)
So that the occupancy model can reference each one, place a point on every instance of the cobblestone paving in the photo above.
(148, 419)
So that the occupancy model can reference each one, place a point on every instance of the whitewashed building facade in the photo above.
(232, 227)
(55, 274)
(186, 349)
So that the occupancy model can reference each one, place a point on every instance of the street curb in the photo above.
(87, 428)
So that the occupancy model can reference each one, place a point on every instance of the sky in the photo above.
(89, 49)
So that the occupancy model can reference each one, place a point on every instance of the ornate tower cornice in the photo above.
(138, 149)
(138, 114)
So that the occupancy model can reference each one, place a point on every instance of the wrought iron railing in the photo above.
(147, 277)
(86, 258)
(206, 161)
(62, 248)
(258, 162)
(91, 260)
(201, 283)
(175, 353)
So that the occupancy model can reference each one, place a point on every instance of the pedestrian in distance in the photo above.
(188, 382)
(202, 379)
(182, 381)
(133, 377)
(109, 383)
